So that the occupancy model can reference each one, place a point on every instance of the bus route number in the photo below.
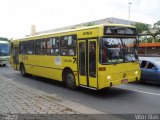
(70, 61)
(67, 60)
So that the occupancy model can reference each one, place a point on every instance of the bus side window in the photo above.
(40, 47)
(55, 50)
(30, 49)
(71, 52)
(23, 47)
(68, 45)
(37, 42)
(52, 46)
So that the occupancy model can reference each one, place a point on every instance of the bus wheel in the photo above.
(70, 81)
(23, 71)
(4, 65)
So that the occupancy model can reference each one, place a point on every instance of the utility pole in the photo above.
(129, 12)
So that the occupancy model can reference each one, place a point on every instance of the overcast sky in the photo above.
(17, 16)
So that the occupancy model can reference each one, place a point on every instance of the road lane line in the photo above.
(142, 92)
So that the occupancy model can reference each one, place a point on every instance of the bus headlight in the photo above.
(108, 77)
(136, 72)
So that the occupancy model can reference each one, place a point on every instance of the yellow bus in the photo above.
(94, 57)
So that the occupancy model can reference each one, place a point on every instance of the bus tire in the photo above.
(70, 81)
(23, 71)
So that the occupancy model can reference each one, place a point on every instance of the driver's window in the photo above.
(144, 64)
(150, 66)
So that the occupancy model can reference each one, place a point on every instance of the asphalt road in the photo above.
(130, 98)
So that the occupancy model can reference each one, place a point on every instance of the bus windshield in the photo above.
(4, 49)
(117, 50)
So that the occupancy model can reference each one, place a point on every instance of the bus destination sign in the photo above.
(112, 30)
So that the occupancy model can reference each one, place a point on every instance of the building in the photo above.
(149, 49)
(150, 45)
(95, 22)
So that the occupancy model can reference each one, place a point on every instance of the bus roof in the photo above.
(77, 29)
(4, 42)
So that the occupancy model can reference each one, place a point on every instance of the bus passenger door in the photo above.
(92, 63)
(16, 57)
(82, 62)
(87, 63)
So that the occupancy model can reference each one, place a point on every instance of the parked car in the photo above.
(150, 69)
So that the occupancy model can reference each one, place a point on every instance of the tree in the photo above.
(3, 39)
(89, 24)
(141, 27)
(157, 26)
(155, 31)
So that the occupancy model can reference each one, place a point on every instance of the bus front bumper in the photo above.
(123, 81)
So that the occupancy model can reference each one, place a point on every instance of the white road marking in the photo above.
(150, 93)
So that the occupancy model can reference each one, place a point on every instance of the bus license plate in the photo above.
(124, 81)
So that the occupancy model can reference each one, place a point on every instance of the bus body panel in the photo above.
(48, 66)
(118, 73)
(88, 33)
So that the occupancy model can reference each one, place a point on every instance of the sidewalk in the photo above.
(18, 101)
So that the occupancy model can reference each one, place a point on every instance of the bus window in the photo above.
(52, 46)
(30, 49)
(23, 47)
(111, 50)
(82, 58)
(40, 47)
(92, 59)
(130, 49)
(68, 45)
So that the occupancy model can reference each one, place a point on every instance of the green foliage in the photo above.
(157, 26)
(147, 40)
(157, 40)
(153, 32)
(3, 39)
(89, 24)
(141, 27)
